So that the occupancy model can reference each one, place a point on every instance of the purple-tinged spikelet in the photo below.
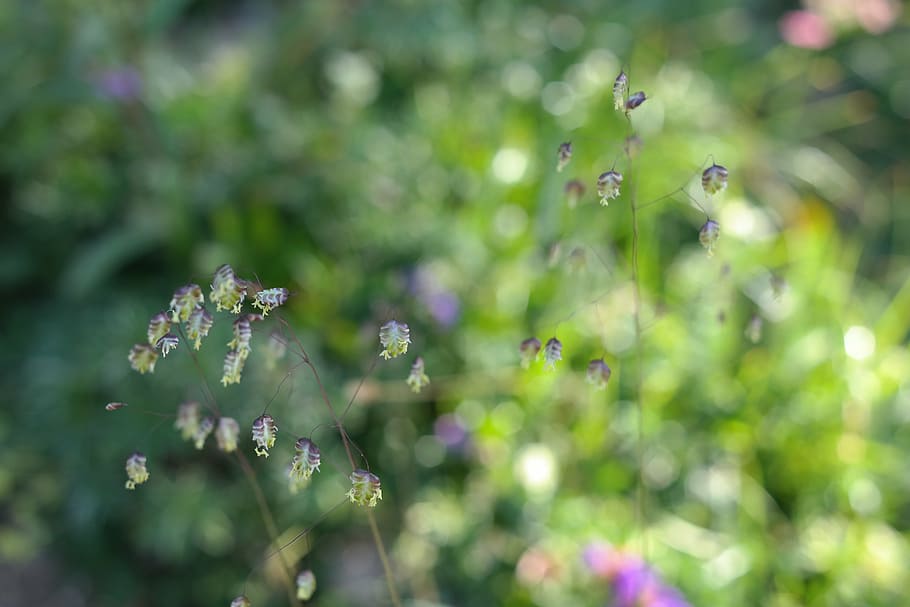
(198, 325)
(418, 379)
(563, 156)
(598, 373)
(365, 488)
(167, 343)
(528, 351)
(574, 190)
(304, 464)
(394, 337)
(632, 146)
(243, 333)
(142, 358)
(228, 291)
(306, 585)
(227, 433)
(202, 432)
(186, 299)
(114, 406)
(608, 186)
(620, 87)
(265, 430)
(159, 326)
(269, 299)
(635, 100)
(241, 601)
(708, 235)
(714, 179)
(552, 353)
(233, 367)
(188, 419)
(136, 471)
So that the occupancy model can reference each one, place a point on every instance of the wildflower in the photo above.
(185, 301)
(365, 488)
(635, 100)
(203, 430)
(708, 235)
(136, 470)
(114, 406)
(227, 434)
(306, 585)
(598, 373)
(233, 367)
(608, 186)
(563, 155)
(714, 179)
(187, 419)
(418, 377)
(574, 190)
(142, 358)
(620, 87)
(305, 462)
(275, 349)
(243, 333)
(241, 601)
(159, 326)
(228, 291)
(753, 329)
(167, 343)
(198, 325)
(394, 337)
(264, 433)
(552, 353)
(528, 351)
(270, 299)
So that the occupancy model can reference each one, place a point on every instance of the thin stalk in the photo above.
(377, 538)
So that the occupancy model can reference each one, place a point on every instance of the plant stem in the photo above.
(377, 538)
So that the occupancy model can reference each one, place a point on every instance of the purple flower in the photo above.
(633, 583)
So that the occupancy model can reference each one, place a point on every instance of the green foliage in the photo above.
(398, 160)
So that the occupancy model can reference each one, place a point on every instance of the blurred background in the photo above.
(398, 160)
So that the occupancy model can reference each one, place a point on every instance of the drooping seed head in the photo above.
(186, 299)
(306, 585)
(188, 419)
(114, 406)
(233, 367)
(552, 353)
(365, 488)
(269, 299)
(243, 334)
(304, 464)
(159, 326)
(598, 373)
(714, 179)
(418, 379)
(574, 190)
(528, 351)
(142, 358)
(620, 87)
(265, 430)
(228, 291)
(202, 431)
(563, 156)
(241, 601)
(608, 186)
(632, 146)
(136, 471)
(198, 325)
(635, 100)
(394, 337)
(708, 235)
(227, 433)
(167, 343)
